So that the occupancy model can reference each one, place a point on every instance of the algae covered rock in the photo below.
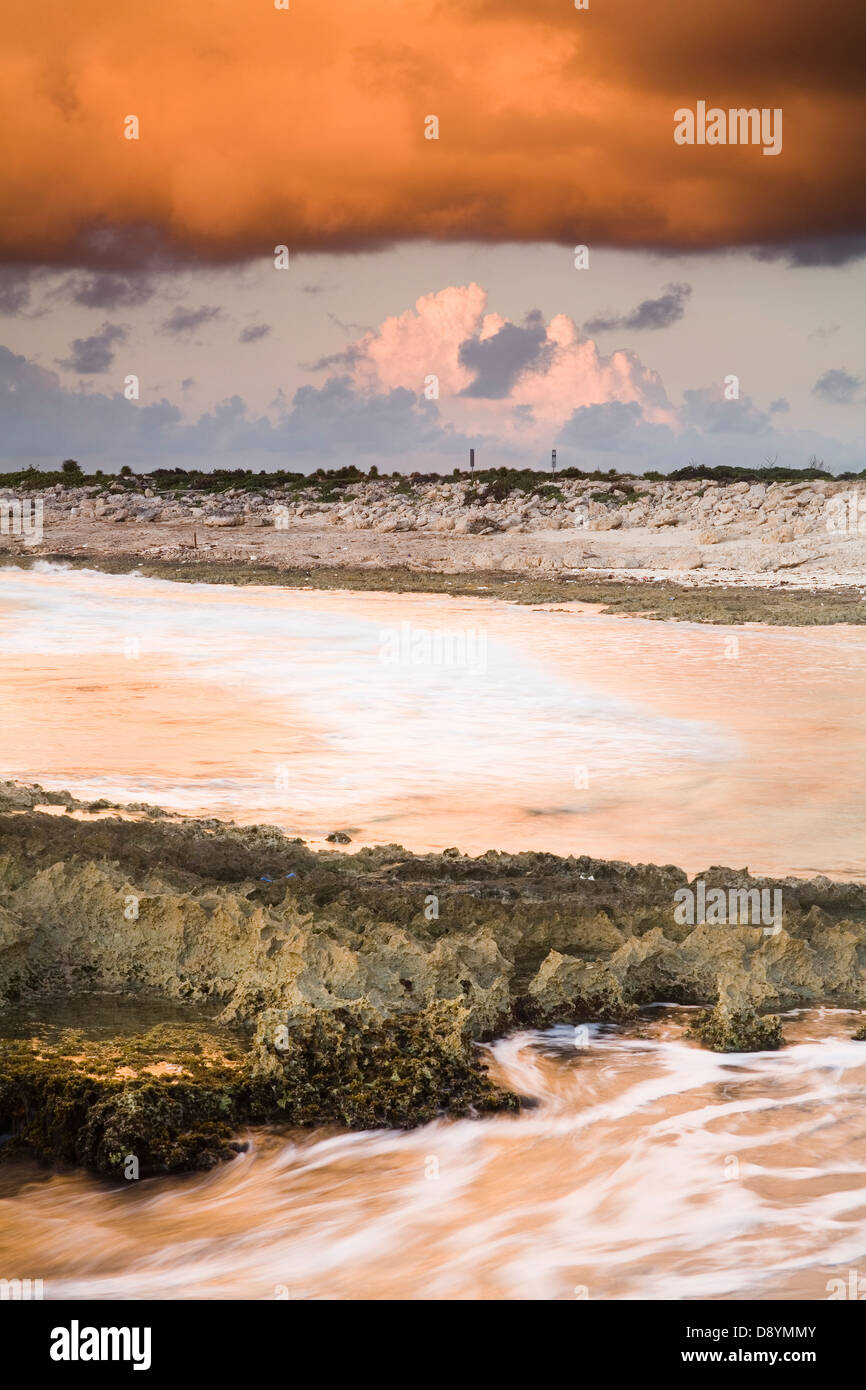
(159, 1101)
(726, 1029)
(346, 1067)
(176, 1098)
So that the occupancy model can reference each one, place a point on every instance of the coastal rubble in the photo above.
(450, 505)
(783, 531)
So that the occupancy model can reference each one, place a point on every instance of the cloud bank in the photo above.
(414, 394)
(306, 126)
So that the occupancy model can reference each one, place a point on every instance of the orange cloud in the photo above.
(261, 126)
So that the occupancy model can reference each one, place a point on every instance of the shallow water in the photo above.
(433, 721)
(644, 1167)
(647, 1169)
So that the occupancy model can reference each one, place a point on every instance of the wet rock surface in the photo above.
(724, 1029)
(345, 999)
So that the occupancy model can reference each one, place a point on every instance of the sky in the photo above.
(433, 299)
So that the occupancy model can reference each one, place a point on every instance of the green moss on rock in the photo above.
(723, 1029)
(399, 1073)
(172, 1100)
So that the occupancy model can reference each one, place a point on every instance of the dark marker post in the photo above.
(553, 460)
(471, 460)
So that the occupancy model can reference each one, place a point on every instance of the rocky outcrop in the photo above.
(359, 983)
(724, 1029)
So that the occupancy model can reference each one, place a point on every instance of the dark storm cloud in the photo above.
(347, 358)
(182, 320)
(395, 423)
(499, 360)
(254, 332)
(15, 282)
(815, 251)
(43, 420)
(107, 290)
(615, 435)
(650, 313)
(532, 150)
(838, 386)
(96, 353)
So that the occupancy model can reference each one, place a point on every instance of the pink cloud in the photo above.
(568, 371)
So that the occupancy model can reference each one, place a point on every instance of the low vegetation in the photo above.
(485, 485)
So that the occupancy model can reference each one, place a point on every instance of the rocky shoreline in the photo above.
(340, 988)
(699, 532)
(712, 508)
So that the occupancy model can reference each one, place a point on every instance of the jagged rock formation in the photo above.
(355, 1001)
